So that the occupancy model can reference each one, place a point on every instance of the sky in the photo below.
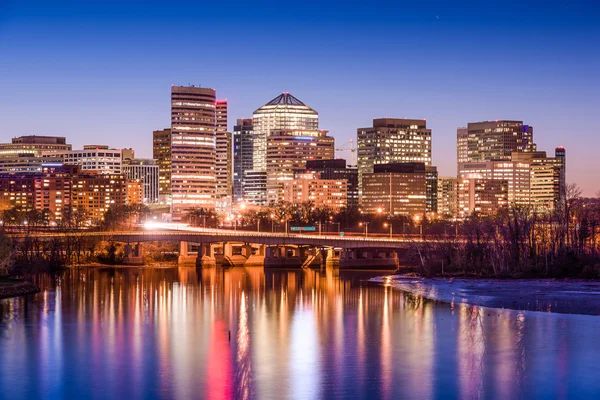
(100, 72)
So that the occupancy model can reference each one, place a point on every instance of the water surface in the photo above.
(249, 333)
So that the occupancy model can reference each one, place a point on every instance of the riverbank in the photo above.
(164, 264)
(16, 287)
(565, 296)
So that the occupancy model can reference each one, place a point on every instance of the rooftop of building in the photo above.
(286, 100)
(406, 123)
(36, 139)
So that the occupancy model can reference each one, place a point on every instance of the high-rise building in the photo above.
(447, 200)
(99, 158)
(161, 152)
(145, 170)
(481, 196)
(306, 187)
(193, 152)
(493, 140)
(243, 154)
(337, 169)
(395, 189)
(284, 112)
(393, 140)
(288, 150)
(223, 172)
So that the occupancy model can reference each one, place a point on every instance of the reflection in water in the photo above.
(248, 333)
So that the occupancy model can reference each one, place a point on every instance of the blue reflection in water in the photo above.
(249, 333)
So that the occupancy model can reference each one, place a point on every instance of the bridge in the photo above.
(211, 247)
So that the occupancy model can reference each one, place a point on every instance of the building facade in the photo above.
(161, 152)
(328, 193)
(193, 148)
(287, 152)
(393, 140)
(223, 166)
(284, 112)
(337, 169)
(493, 140)
(254, 187)
(243, 153)
(481, 196)
(94, 194)
(147, 171)
(447, 196)
(99, 158)
(395, 189)
(431, 189)
(515, 173)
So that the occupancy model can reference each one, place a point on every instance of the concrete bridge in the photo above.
(213, 247)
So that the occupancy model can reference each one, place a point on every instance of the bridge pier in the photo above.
(381, 259)
(133, 254)
(203, 258)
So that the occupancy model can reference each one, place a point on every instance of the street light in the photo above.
(366, 225)
(385, 225)
(417, 218)
(272, 223)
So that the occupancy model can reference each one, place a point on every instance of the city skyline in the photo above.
(88, 74)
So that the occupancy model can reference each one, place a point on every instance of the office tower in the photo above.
(92, 158)
(395, 189)
(393, 140)
(243, 152)
(161, 152)
(284, 112)
(481, 196)
(17, 191)
(223, 172)
(147, 171)
(337, 170)
(493, 140)
(447, 200)
(431, 189)
(288, 150)
(33, 146)
(193, 152)
(311, 187)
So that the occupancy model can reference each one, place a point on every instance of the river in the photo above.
(182, 333)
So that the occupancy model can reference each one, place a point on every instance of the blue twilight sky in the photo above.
(100, 71)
